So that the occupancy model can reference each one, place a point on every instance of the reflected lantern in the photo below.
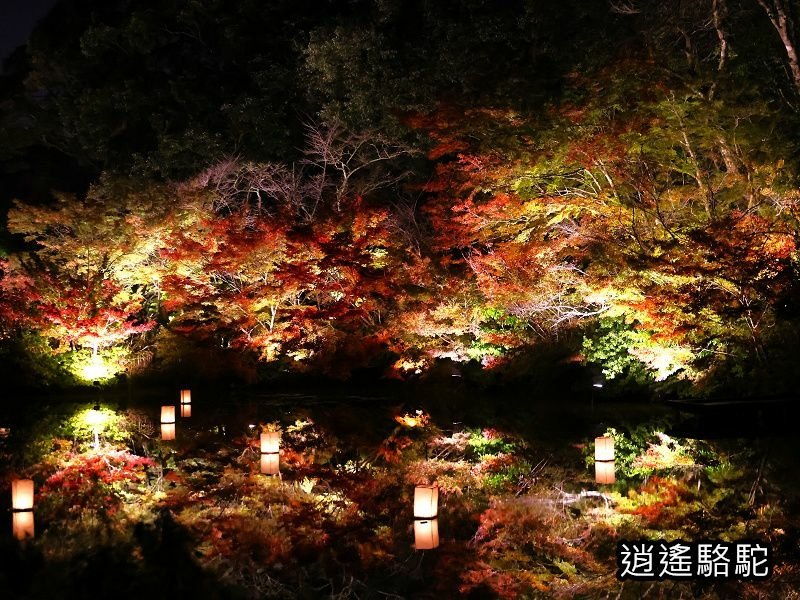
(603, 448)
(22, 525)
(426, 501)
(426, 534)
(604, 472)
(270, 464)
(168, 432)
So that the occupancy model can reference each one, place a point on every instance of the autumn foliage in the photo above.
(658, 219)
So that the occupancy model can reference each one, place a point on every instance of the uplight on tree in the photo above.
(96, 420)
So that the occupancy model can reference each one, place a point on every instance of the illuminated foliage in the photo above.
(94, 482)
(456, 210)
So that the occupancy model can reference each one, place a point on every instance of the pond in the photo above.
(412, 495)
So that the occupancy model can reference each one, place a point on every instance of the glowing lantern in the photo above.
(22, 494)
(604, 472)
(167, 423)
(167, 414)
(186, 404)
(270, 463)
(426, 501)
(426, 534)
(22, 525)
(22, 505)
(603, 448)
(95, 418)
(270, 442)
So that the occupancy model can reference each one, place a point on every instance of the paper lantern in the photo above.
(167, 414)
(426, 534)
(270, 463)
(186, 396)
(270, 442)
(426, 501)
(22, 494)
(186, 411)
(603, 448)
(22, 525)
(604, 472)
(168, 432)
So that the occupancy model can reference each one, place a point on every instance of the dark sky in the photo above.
(17, 18)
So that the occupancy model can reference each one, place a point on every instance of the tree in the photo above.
(92, 264)
(781, 15)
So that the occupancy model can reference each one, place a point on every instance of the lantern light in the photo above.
(426, 501)
(186, 404)
(22, 525)
(22, 494)
(168, 432)
(603, 448)
(270, 442)
(604, 472)
(22, 505)
(167, 414)
(167, 423)
(426, 534)
(270, 464)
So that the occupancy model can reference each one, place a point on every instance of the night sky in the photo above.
(17, 18)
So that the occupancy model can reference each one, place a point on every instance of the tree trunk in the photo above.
(779, 15)
(719, 11)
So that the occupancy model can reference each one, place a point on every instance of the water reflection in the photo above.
(604, 471)
(22, 525)
(426, 534)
